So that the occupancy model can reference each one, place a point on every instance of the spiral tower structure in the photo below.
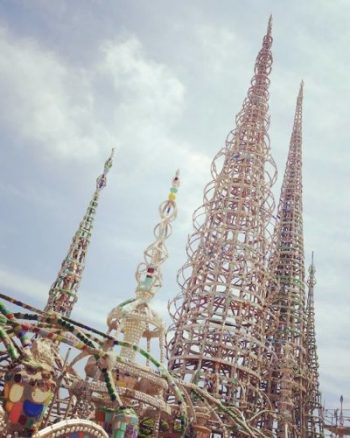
(217, 339)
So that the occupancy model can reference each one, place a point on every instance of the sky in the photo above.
(161, 82)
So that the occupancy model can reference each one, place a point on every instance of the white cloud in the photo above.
(61, 108)
(22, 284)
(147, 90)
(216, 43)
(46, 103)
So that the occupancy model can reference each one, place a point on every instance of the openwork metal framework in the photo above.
(63, 293)
(242, 346)
(118, 394)
(314, 423)
(287, 385)
(135, 318)
(217, 340)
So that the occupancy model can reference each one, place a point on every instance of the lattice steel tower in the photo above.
(287, 384)
(218, 337)
(313, 394)
(63, 293)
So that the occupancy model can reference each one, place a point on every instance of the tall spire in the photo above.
(63, 293)
(135, 318)
(217, 339)
(287, 382)
(313, 399)
(269, 26)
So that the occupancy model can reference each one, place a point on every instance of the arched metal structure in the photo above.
(72, 428)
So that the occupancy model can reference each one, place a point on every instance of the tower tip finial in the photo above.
(102, 179)
(301, 92)
(111, 156)
(269, 26)
(156, 253)
(312, 270)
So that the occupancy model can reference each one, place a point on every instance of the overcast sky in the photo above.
(162, 81)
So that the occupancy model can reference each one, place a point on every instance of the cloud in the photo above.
(215, 44)
(145, 87)
(25, 285)
(68, 111)
(47, 103)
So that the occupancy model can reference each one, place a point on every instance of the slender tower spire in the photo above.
(63, 293)
(287, 385)
(313, 396)
(135, 318)
(217, 339)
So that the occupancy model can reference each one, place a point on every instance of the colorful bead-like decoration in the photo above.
(55, 328)
(125, 423)
(147, 426)
(28, 390)
(4, 337)
(78, 435)
(111, 389)
(173, 191)
(104, 418)
(148, 281)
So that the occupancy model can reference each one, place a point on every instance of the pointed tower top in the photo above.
(269, 26)
(301, 91)
(297, 128)
(257, 97)
(264, 59)
(63, 293)
(101, 180)
(311, 281)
